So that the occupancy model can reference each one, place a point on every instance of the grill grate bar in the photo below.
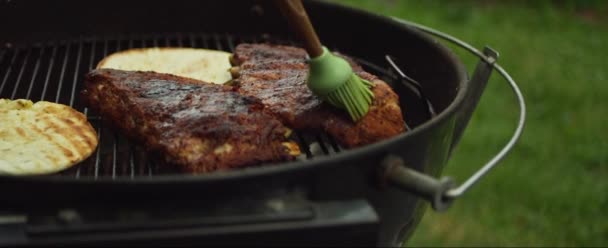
(62, 74)
(180, 42)
(49, 71)
(303, 144)
(98, 153)
(167, 41)
(35, 73)
(218, 43)
(77, 174)
(230, 41)
(105, 47)
(20, 75)
(321, 143)
(130, 45)
(8, 71)
(328, 143)
(92, 55)
(76, 73)
(155, 42)
(337, 148)
(192, 40)
(150, 165)
(114, 152)
(132, 160)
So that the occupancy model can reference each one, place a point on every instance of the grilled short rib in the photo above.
(277, 76)
(198, 126)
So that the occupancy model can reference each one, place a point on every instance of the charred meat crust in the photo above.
(197, 126)
(277, 75)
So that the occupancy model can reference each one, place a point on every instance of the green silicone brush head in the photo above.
(332, 78)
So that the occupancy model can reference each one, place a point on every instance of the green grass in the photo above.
(552, 190)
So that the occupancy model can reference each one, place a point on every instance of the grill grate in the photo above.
(54, 70)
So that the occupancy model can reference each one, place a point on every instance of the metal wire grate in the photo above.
(54, 70)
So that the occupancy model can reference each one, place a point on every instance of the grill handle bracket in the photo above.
(442, 192)
(422, 185)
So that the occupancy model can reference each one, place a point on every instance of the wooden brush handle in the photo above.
(294, 11)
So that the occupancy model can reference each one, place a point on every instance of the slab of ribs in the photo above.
(202, 127)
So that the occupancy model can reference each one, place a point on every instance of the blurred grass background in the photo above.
(552, 190)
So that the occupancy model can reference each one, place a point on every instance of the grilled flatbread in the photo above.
(42, 138)
(205, 65)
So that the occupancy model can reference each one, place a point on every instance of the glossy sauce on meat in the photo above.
(196, 125)
(277, 76)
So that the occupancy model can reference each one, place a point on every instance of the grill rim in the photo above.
(332, 160)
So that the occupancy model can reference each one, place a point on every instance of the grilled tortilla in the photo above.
(42, 138)
(210, 66)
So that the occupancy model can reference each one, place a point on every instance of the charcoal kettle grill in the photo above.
(372, 195)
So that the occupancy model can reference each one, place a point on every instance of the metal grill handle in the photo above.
(441, 193)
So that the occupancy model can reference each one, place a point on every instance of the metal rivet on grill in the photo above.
(68, 216)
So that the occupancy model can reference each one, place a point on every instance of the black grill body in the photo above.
(335, 194)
